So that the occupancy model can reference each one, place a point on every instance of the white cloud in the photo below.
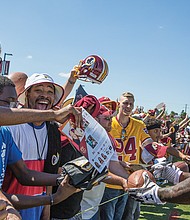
(29, 57)
(65, 75)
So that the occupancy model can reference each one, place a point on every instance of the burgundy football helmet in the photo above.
(93, 69)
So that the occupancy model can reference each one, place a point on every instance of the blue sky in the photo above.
(146, 44)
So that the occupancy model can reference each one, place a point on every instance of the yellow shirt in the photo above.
(129, 150)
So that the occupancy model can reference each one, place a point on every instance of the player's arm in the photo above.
(116, 180)
(68, 86)
(169, 172)
(116, 168)
(167, 134)
(24, 201)
(29, 177)
(117, 174)
(161, 113)
(179, 193)
(9, 116)
(151, 193)
(184, 122)
(173, 151)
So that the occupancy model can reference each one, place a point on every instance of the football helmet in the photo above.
(93, 69)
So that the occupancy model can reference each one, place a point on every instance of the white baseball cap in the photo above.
(38, 78)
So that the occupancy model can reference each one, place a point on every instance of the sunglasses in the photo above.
(10, 104)
(107, 118)
(123, 134)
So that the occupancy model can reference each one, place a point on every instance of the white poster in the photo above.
(91, 140)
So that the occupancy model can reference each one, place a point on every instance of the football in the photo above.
(182, 165)
(136, 179)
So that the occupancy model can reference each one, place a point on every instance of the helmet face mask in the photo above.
(93, 69)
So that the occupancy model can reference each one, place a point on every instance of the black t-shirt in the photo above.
(173, 135)
(71, 206)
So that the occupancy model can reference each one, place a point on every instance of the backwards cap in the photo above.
(87, 101)
(105, 100)
(37, 78)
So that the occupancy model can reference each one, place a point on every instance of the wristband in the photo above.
(156, 197)
(51, 199)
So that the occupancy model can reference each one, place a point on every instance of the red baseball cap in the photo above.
(87, 101)
(105, 100)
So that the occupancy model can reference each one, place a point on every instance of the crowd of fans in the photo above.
(177, 126)
(36, 151)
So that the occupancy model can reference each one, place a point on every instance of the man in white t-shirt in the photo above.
(39, 142)
(92, 198)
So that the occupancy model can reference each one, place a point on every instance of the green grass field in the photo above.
(162, 212)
